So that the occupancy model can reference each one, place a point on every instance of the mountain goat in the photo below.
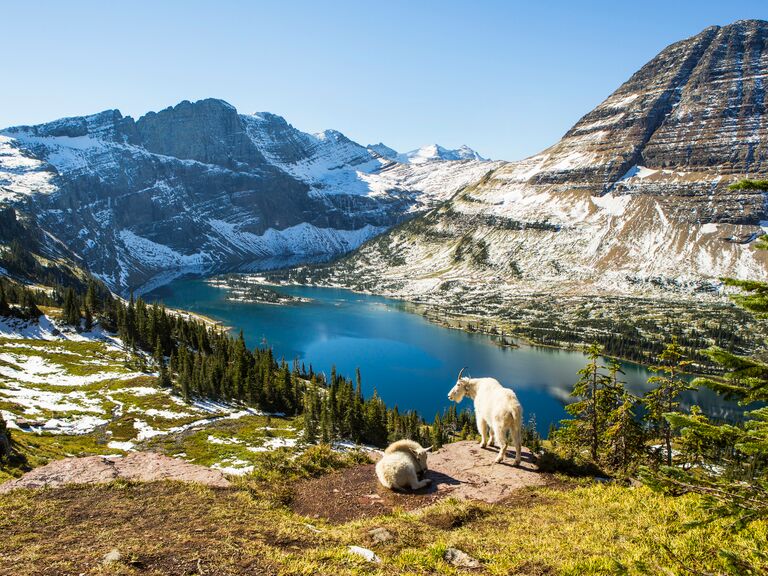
(497, 410)
(403, 466)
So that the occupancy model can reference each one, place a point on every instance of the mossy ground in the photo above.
(127, 403)
(174, 528)
(227, 441)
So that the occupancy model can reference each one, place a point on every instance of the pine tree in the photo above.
(604, 429)
(5, 308)
(623, 434)
(584, 431)
(728, 463)
(71, 311)
(88, 315)
(29, 309)
(5, 440)
(665, 397)
(91, 297)
(437, 433)
(163, 378)
(326, 424)
(311, 417)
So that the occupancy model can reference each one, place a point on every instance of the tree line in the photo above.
(200, 360)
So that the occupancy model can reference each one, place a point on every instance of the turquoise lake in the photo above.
(411, 362)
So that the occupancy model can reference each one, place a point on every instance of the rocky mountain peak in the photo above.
(697, 104)
(199, 186)
(106, 124)
(634, 199)
(208, 131)
(383, 150)
(435, 152)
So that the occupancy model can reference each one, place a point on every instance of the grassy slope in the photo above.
(171, 528)
(72, 359)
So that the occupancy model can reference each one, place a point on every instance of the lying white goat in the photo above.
(497, 410)
(403, 466)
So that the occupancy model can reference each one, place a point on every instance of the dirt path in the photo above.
(461, 470)
(144, 466)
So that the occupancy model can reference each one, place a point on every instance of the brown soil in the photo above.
(144, 466)
(460, 470)
(354, 493)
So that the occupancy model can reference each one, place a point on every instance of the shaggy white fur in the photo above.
(403, 465)
(497, 409)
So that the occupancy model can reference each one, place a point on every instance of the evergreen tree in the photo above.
(5, 440)
(604, 429)
(71, 311)
(727, 463)
(375, 428)
(88, 315)
(311, 416)
(665, 397)
(29, 309)
(623, 434)
(437, 433)
(91, 297)
(584, 431)
(326, 424)
(163, 378)
(5, 308)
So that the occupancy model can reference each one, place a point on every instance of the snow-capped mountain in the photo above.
(428, 153)
(634, 199)
(384, 151)
(436, 153)
(199, 185)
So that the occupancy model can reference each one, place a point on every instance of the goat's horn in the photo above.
(461, 372)
(428, 448)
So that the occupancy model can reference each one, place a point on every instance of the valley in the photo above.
(213, 323)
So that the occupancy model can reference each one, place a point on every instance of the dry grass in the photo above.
(173, 528)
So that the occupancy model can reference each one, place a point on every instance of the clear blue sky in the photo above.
(505, 77)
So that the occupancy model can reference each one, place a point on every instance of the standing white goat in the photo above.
(497, 410)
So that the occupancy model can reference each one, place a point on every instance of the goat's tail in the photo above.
(514, 423)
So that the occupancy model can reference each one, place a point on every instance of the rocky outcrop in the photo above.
(139, 466)
(633, 200)
(460, 470)
(200, 186)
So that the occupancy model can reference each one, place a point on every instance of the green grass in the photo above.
(76, 358)
(33, 450)
(747, 184)
(236, 436)
(168, 527)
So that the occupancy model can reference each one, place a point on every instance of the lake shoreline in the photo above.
(439, 316)
(402, 353)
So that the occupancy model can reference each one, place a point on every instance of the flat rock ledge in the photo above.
(465, 471)
(140, 466)
(459, 470)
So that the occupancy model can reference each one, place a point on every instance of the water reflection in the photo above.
(409, 361)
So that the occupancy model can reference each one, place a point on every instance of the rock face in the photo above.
(633, 200)
(141, 466)
(199, 186)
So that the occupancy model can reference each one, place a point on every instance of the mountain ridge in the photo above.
(426, 153)
(633, 200)
(200, 186)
